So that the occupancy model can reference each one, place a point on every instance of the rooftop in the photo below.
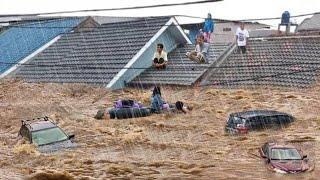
(93, 57)
(310, 24)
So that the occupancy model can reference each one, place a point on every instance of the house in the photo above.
(310, 25)
(110, 55)
(20, 42)
(224, 30)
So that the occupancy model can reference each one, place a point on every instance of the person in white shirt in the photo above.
(242, 36)
(160, 58)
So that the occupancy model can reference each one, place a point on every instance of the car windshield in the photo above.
(48, 136)
(285, 154)
(236, 120)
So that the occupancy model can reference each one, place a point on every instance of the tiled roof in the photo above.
(113, 19)
(180, 70)
(310, 24)
(92, 57)
(19, 41)
(258, 33)
(291, 62)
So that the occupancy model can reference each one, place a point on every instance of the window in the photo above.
(25, 133)
(265, 149)
(284, 119)
(48, 136)
(237, 120)
(285, 154)
(226, 29)
(269, 120)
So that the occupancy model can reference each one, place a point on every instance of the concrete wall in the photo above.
(221, 36)
(86, 25)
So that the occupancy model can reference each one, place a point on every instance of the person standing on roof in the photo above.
(242, 36)
(201, 51)
(208, 28)
(160, 58)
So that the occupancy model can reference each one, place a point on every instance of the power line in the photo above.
(96, 67)
(114, 9)
(139, 18)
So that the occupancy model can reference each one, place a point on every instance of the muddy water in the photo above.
(192, 146)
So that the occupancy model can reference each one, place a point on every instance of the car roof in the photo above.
(38, 125)
(249, 114)
(275, 146)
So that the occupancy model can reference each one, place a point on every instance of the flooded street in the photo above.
(161, 146)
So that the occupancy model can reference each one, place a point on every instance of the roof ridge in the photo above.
(139, 19)
(37, 22)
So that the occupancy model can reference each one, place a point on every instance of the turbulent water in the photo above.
(162, 146)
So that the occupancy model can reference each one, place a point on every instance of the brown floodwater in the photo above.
(162, 146)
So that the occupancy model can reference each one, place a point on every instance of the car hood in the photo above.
(290, 166)
(57, 146)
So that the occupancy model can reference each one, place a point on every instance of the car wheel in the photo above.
(112, 113)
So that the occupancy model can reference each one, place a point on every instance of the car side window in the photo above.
(230, 120)
(268, 120)
(254, 121)
(264, 149)
(284, 119)
(25, 133)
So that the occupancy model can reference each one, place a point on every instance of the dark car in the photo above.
(242, 122)
(46, 135)
(284, 158)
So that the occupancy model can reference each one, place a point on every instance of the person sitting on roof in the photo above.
(201, 51)
(160, 58)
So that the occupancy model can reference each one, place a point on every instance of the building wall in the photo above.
(88, 24)
(224, 32)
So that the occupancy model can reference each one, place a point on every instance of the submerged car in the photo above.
(46, 135)
(242, 122)
(284, 158)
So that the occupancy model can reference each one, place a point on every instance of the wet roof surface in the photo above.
(92, 57)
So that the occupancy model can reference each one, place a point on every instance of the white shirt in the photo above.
(162, 55)
(242, 36)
